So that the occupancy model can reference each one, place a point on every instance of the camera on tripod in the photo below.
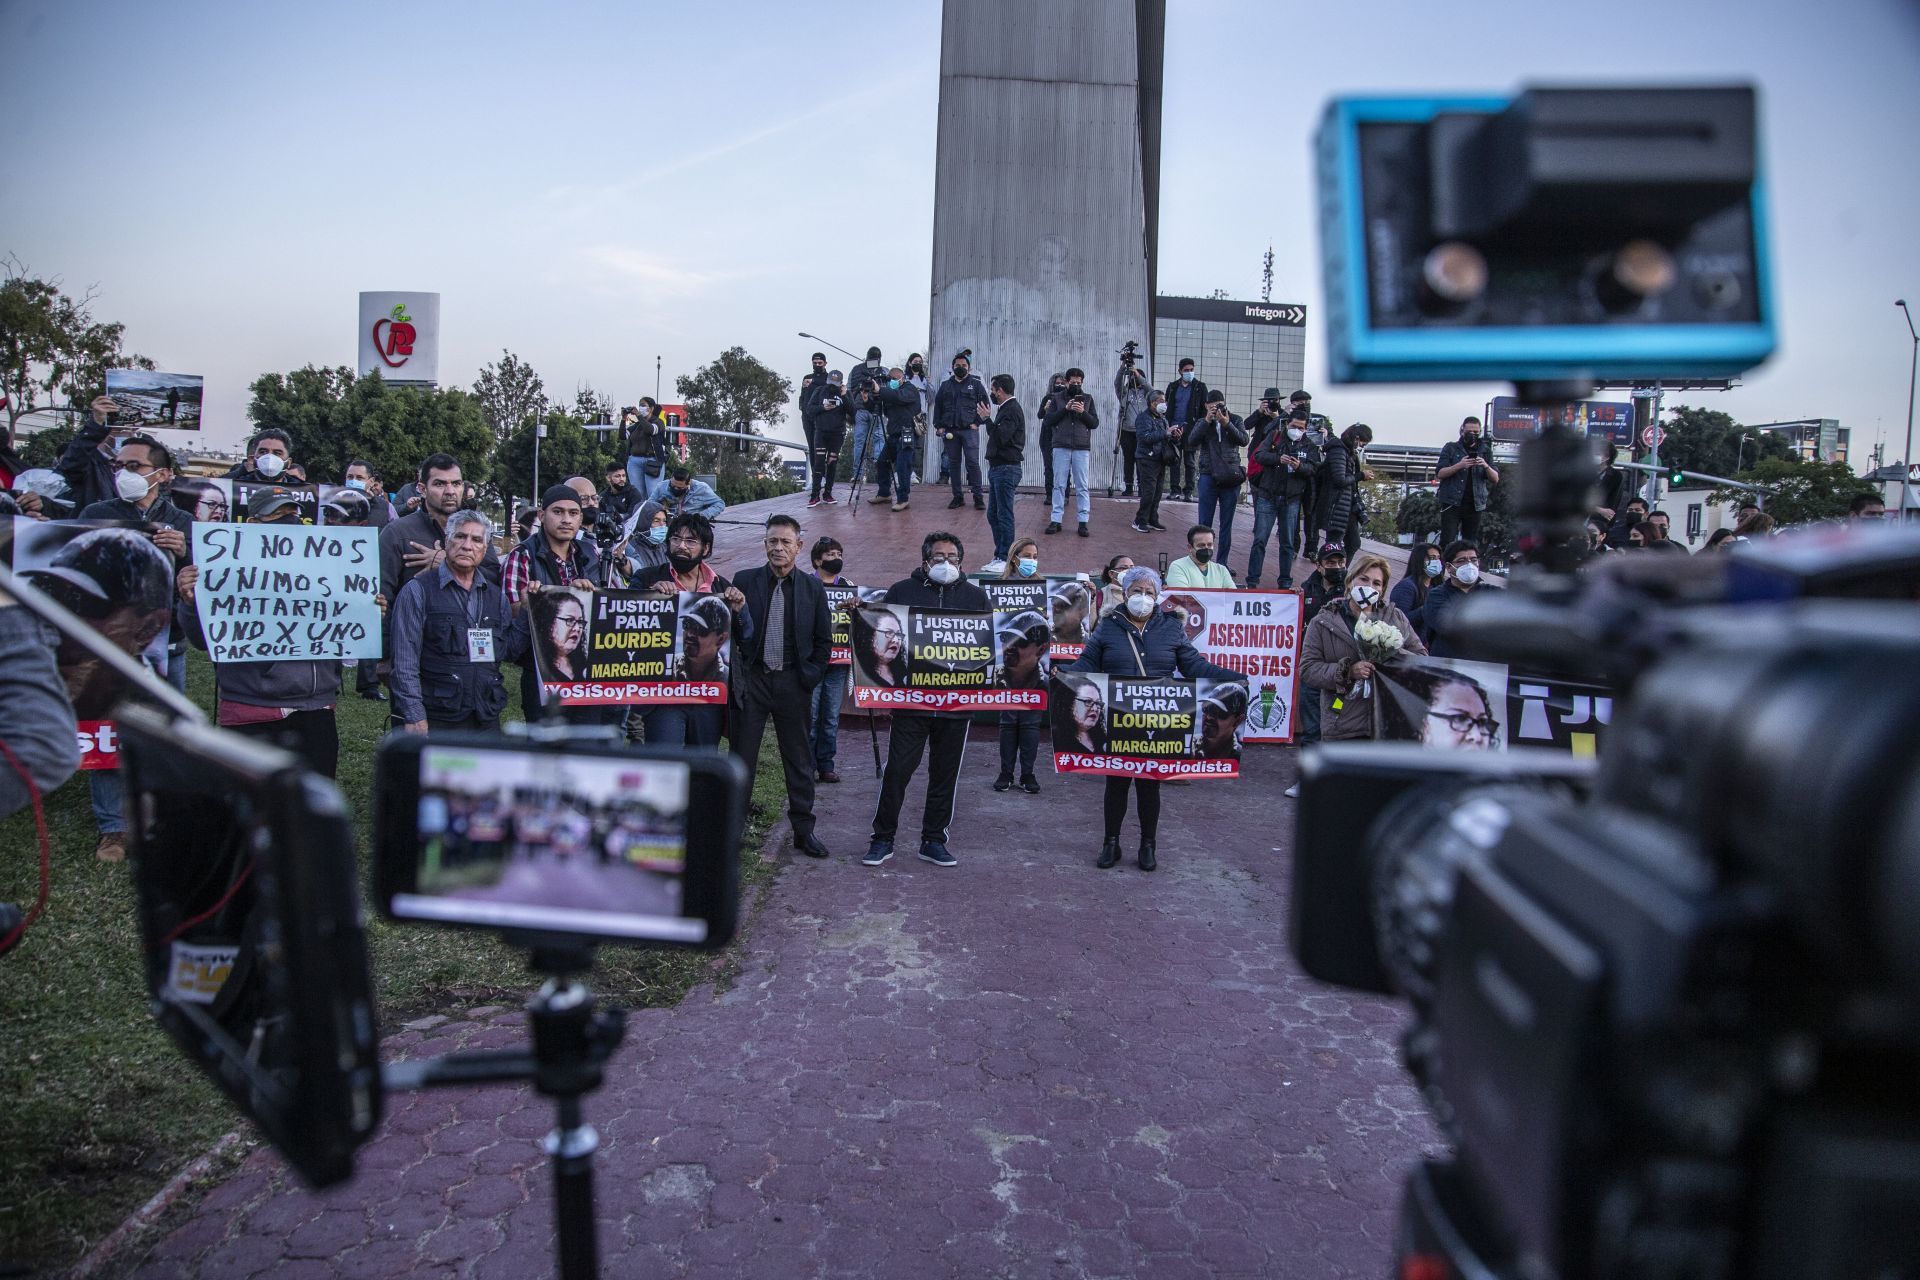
(1129, 352)
(1666, 1006)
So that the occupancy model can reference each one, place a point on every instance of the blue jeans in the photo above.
(1071, 463)
(869, 434)
(1273, 515)
(107, 792)
(637, 475)
(824, 713)
(1226, 500)
(682, 726)
(1002, 483)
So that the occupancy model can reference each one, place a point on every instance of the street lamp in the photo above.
(1906, 460)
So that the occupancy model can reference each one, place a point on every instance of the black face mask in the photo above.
(1334, 577)
(1202, 554)
(832, 567)
(682, 562)
(678, 494)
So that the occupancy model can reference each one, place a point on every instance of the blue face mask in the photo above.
(657, 534)
(893, 384)
(1027, 568)
(355, 482)
(1186, 375)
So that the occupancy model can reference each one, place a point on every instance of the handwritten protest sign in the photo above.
(271, 593)
(1123, 727)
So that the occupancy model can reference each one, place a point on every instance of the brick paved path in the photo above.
(1022, 1067)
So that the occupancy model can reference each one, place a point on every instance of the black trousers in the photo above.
(1019, 739)
(1458, 521)
(477, 724)
(1046, 455)
(760, 695)
(1116, 806)
(909, 737)
(1126, 458)
(1149, 474)
(1186, 474)
(313, 736)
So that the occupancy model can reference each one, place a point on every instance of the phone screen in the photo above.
(595, 844)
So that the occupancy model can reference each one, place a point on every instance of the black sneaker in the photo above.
(1003, 783)
(1030, 784)
(1054, 527)
(936, 853)
(1156, 526)
(1137, 527)
(877, 852)
(1084, 531)
(957, 502)
(979, 503)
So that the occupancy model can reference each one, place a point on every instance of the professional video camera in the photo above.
(607, 529)
(1666, 1005)
(1129, 352)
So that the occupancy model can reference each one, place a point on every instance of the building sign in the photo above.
(400, 336)
(1288, 314)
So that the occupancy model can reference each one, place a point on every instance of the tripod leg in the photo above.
(571, 1148)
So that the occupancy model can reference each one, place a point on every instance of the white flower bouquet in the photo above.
(1379, 642)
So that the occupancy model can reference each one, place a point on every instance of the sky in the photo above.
(594, 186)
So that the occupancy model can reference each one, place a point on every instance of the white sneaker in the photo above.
(994, 566)
(1292, 792)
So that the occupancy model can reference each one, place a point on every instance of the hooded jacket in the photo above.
(643, 553)
(1163, 649)
(291, 685)
(1277, 480)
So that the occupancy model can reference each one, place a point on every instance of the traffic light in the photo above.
(1676, 478)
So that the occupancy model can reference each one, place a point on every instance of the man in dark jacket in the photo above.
(87, 461)
(869, 423)
(1073, 420)
(810, 388)
(619, 497)
(447, 626)
(1463, 579)
(142, 472)
(1344, 469)
(1055, 385)
(782, 639)
(832, 414)
(1466, 483)
(268, 456)
(1288, 460)
(899, 404)
(1186, 405)
(1006, 458)
(554, 555)
(1150, 438)
(1130, 399)
(955, 417)
(413, 543)
(937, 584)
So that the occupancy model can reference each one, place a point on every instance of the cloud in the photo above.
(624, 268)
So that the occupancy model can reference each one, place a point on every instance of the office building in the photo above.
(1238, 347)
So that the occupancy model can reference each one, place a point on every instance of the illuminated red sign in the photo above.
(393, 336)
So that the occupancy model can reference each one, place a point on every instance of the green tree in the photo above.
(53, 353)
(1383, 500)
(1419, 515)
(510, 394)
(1797, 492)
(1710, 442)
(569, 449)
(737, 392)
(334, 417)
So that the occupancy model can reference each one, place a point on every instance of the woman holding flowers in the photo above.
(1345, 641)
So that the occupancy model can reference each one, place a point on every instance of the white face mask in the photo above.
(1364, 595)
(1140, 605)
(944, 573)
(269, 464)
(130, 486)
(1433, 568)
(1467, 574)
(1295, 433)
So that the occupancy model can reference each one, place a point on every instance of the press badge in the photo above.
(479, 644)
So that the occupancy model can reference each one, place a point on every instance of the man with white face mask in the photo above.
(1463, 578)
(267, 457)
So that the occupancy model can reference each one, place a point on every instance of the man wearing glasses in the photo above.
(689, 543)
(937, 584)
(1463, 578)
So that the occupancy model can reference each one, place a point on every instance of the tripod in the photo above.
(571, 1045)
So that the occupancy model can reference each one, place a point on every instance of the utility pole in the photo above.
(1266, 277)
(1906, 460)
(656, 381)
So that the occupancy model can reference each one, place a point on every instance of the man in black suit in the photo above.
(782, 638)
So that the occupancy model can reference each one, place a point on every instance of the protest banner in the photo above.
(112, 575)
(204, 498)
(912, 659)
(630, 648)
(1127, 727)
(1258, 634)
(1450, 704)
(1557, 712)
(841, 597)
(305, 496)
(1072, 611)
(270, 593)
(159, 401)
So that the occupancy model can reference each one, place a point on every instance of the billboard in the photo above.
(1509, 421)
(400, 336)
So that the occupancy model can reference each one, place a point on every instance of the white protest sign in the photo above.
(275, 593)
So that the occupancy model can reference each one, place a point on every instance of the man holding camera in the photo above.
(1288, 460)
(1186, 406)
(1130, 390)
(869, 422)
(1073, 422)
(810, 388)
(899, 404)
(955, 416)
(87, 461)
(1466, 483)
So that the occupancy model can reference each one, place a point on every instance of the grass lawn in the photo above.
(101, 1110)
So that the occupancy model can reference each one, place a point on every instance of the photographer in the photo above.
(1072, 422)
(1466, 479)
(646, 444)
(1186, 405)
(956, 418)
(1288, 460)
(811, 386)
(1055, 385)
(1345, 468)
(900, 404)
(832, 413)
(86, 462)
(1216, 444)
(1130, 391)
(869, 423)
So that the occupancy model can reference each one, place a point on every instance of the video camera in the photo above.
(1129, 352)
(1666, 1005)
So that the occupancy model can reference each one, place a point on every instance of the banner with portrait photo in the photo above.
(1126, 727)
(630, 648)
(1257, 633)
(112, 575)
(1449, 704)
(208, 499)
(1069, 605)
(841, 598)
(912, 659)
(305, 496)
